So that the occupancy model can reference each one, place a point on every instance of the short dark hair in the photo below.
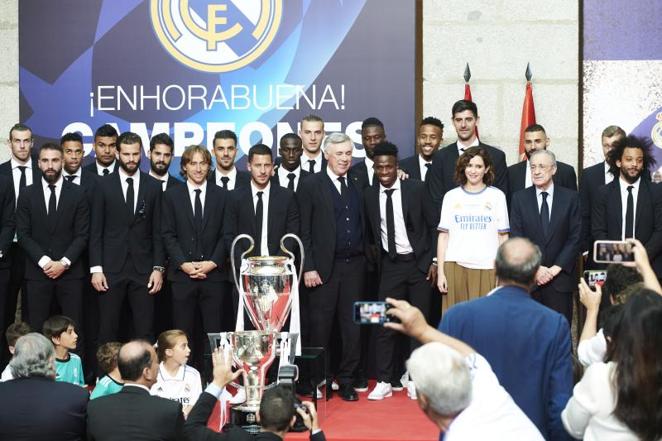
(619, 277)
(131, 369)
(535, 128)
(50, 146)
(19, 127)
(312, 118)
(277, 409)
(107, 356)
(225, 134)
(293, 136)
(105, 130)
(462, 105)
(432, 121)
(632, 142)
(161, 138)
(516, 266)
(371, 122)
(187, 156)
(129, 138)
(56, 325)
(15, 331)
(386, 148)
(71, 136)
(463, 162)
(259, 149)
(610, 131)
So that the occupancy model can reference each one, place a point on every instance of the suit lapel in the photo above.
(616, 205)
(189, 204)
(404, 198)
(558, 203)
(209, 207)
(271, 213)
(532, 207)
(140, 198)
(119, 195)
(643, 197)
(325, 191)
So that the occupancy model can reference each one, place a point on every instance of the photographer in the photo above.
(276, 415)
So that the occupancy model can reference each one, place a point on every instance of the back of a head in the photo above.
(132, 359)
(517, 262)
(34, 356)
(441, 374)
(277, 409)
(619, 278)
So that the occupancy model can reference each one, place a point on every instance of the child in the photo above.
(176, 380)
(14, 331)
(62, 332)
(111, 382)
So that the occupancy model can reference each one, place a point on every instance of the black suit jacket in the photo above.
(419, 220)
(66, 237)
(243, 179)
(440, 177)
(195, 428)
(561, 245)
(304, 165)
(133, 414)
(7, 219)
(38, 408)
(5, 169)
(606, 218)
(592, 178)
(114, 233)
(282, 218)
(359, 174)
(92, 168)
(318, 223)
(411, 166)
(181, 236)
(303, 174)
(565, 176)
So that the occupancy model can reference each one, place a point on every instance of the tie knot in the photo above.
(312, 162)
(342, 180)
(630, 187)
(70, 178)
(291, 176)
(389, 192)
(428, 164)
(259, 195)
(129, 181)
(544, 195)
(52, 187)
(105, 171)
(225, 180)
(197, 191)
(22, 168)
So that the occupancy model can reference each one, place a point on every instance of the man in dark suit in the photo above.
(332, 236)
(126, 250)
(161, 151)
(52, 225)
(372, 133)
(34, 406)
(7, 227)
(72, 150)
(549, 216)
(399, 231)
(440, 177)
(311, 131)
(132, 413)
(225, 174)
(192, 228)
(288, 172)
(519, 178)
(430, 137)
(527, 344)
(105, 151)
(630, 206)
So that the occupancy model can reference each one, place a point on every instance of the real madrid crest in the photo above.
(656, 131)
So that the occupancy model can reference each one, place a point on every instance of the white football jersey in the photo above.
(184, 387)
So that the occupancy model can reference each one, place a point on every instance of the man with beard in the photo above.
(629, 206)
(52, 225)
(72, 148)
(430, 137)
(311, 132)
(372, 133)
(226, 175)
(126, 251)
(161, 149)
(105, 151)
(289, 173)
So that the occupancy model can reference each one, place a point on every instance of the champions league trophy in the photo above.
(268, 290)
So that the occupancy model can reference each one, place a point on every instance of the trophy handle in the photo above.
(291, 254)
(250, 248)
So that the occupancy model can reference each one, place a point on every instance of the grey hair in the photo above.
(517, 261)
(551, 155)
(442, 375)
(34, 356)
(336, 138)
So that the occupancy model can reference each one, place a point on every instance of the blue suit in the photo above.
(528, 347)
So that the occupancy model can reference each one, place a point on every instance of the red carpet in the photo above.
(396, 418)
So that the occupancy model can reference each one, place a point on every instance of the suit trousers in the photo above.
(16, 284)
(334, 300)
(400, 279)
(5, 318)
(131, 285)
(69, 295)
(187, 296)
(559, 301)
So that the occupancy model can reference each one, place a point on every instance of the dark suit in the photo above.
(64, 235)
(171, 181)
(565, 176)
(303, 174)
(7, 228)
(359, 174)
(412, 167)
(133, 414)
(304, 163)
(127, 247)
(92, 168)
(441, 176)
(559, 247)
(592, 178)
(40, 409)
(243, 179)
(528, 346)
(606, 218)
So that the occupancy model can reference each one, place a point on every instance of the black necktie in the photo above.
(390, 224)
(343, 187)
(129, 196)
(22, 182)
(52, 205)
(291, 177)
(427, 165)
(105, 171)
(70, 178)
(197, 211)
(311, 165)
(544, 214)
(629, 215)
(224, 182)
(258, 222)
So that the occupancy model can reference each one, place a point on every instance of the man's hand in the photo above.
(432, 275)
(312, 279)
(412, 321)
(99, 282)
(640, 256)
(309, 418)
(206, 267)
(222, 361)
(189, 269)
(402, 175)
(589, 298)
(543, 276)
(54, 269)
(442, 283)
(155, 282)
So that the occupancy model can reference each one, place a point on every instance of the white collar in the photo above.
(163, 178)
(395, 186)
(124, 175)
(15, 164)
(45, 183)
(192, 187)
(265, 190)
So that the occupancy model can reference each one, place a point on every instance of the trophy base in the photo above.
(245, 417)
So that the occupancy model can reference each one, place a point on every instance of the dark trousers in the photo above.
(130, 285)
(16, 284)
(334, 300)
(187, 296)
(559, 301)
(5, 319)
(400, 279)
(69, 296)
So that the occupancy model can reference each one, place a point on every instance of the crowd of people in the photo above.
(106, 253)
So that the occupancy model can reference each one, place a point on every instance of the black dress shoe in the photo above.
(348, 393)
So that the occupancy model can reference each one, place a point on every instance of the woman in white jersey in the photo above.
(176, 380)
(473, 223)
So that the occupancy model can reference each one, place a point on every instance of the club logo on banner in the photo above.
(232, 35)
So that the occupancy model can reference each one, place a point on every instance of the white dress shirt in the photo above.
(624, 203)
(16, 175)
(162, 179)
(101, 168)
(283, 180)
(422, 165)
(608, 176)
(232, 176)
(527, 176)
(47, 197)
(461, 146)
(264, 245)
(334, 178)
(191, 193)
(318, 162)
(125, 185)
(77, 175)
(402, 245)
(550, 198)
(368, 166)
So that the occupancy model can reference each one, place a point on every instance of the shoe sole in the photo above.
(361, 389)
(397, 389)
(388, 395)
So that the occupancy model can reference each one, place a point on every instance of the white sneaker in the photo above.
(334, 385)
(239, 397)
(411, 390)
(382, 390)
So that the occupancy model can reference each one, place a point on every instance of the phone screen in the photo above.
(595, 277)
(371, 313)
(610, 251)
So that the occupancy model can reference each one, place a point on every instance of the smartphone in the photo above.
(595, 277)
(612, 251)
(371, 313)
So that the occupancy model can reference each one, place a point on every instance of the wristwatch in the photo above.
(158, 268)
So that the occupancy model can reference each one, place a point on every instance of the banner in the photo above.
(190, 68)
